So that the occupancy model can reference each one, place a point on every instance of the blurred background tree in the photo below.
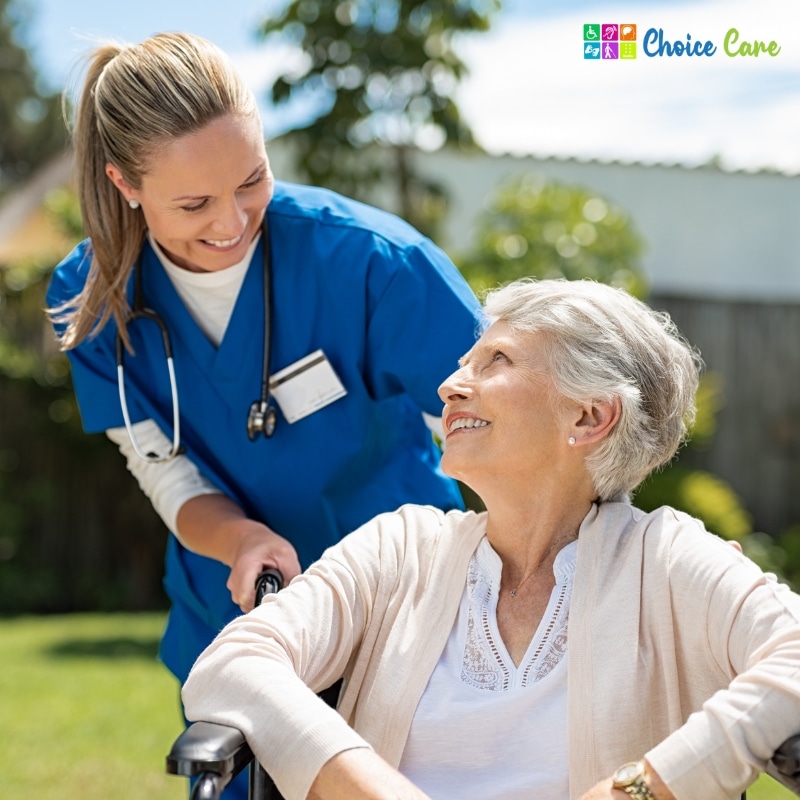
(30, 117)
(380, 73)
(535, 227)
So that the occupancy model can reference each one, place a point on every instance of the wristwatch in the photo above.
(630, 778)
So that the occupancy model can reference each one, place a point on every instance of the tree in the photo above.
(535, 227)
(30, 117)
(379, 72)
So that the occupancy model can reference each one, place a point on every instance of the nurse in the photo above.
(358, 316)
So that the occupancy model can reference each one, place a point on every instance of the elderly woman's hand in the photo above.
(605, 789)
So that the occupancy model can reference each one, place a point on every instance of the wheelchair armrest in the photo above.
(209, 747)
(785, 764)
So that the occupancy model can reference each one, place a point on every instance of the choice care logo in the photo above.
(617, 42)
(609, 41)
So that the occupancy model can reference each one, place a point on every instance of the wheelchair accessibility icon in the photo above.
(591, 33)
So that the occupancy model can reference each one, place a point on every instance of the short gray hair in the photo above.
(601, 343)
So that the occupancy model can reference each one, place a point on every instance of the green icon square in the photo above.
(591, 33)
(627, 50)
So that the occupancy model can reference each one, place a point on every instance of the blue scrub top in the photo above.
(392, 315)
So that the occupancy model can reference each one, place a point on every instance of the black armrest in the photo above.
(209, 747)
(785, 764)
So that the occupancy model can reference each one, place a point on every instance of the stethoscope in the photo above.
(261, 418)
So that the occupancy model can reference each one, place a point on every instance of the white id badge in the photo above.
(306, 386)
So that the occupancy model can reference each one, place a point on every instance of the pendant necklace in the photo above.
(513, 592)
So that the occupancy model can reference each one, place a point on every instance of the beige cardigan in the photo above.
(664, 616)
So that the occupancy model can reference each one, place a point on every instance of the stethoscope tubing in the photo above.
(261, 418)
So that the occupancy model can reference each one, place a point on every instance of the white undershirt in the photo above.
(209, 296)
(485, 727)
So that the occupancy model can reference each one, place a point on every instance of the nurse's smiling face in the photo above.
(204, 195)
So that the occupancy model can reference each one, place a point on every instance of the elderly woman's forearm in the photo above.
(361, 774)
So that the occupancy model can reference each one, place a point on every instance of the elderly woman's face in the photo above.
(501, 414)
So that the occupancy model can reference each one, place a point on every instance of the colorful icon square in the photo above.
(609, 50)
(610, 32)
(591, 49)
(627, 50)
(627, 32)
(591, 33)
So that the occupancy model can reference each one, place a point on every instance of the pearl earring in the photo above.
(134, 204)
(572, 440)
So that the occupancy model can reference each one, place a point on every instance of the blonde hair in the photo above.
(134, 99)
(602, 343)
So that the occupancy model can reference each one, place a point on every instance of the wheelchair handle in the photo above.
(270, 581)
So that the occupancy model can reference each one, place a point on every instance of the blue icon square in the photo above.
(591, 50)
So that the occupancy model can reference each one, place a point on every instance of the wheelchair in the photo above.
(215, 754)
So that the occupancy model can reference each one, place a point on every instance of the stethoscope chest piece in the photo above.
(261, 419)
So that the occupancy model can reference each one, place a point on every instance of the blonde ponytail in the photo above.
(135, 98)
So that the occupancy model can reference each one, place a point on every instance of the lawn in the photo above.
(87, 713)
(86, 710)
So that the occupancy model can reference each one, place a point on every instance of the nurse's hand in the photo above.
(258, 547)
(213, 525)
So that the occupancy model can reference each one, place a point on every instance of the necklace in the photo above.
(563, 540)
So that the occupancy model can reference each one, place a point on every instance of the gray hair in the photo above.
(601, 343)
(135, 98)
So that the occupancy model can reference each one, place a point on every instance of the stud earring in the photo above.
(134, 204)
(571, 440)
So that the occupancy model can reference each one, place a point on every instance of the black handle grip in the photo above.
(269, 581)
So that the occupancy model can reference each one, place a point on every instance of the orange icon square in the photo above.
(627, 33)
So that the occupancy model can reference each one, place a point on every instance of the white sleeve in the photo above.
(168, 484)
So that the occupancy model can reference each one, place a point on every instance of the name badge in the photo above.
(306, 386)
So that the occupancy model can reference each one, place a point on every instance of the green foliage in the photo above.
(536, 227)
(700, 494)
(30, 117)
(88, 713)
(381, 72)
(709, 403)
(27, 346)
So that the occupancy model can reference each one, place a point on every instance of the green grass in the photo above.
(87, 713)
(86, 710)
(767, 789)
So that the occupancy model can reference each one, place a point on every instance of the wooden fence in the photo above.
(75, 531)
(755, 349)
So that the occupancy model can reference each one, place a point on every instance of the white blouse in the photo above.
(484, 727)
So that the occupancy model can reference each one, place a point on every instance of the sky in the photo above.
(530, 90)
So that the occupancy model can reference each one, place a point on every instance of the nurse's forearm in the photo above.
(168, 484)
(213, 525)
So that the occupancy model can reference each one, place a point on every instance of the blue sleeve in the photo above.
(423, 318)
(93, 361)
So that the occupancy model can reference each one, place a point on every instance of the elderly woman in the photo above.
(563, 644)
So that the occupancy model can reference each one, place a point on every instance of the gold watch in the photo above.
(630, 778)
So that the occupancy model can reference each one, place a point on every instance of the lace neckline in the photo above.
(486, 664)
